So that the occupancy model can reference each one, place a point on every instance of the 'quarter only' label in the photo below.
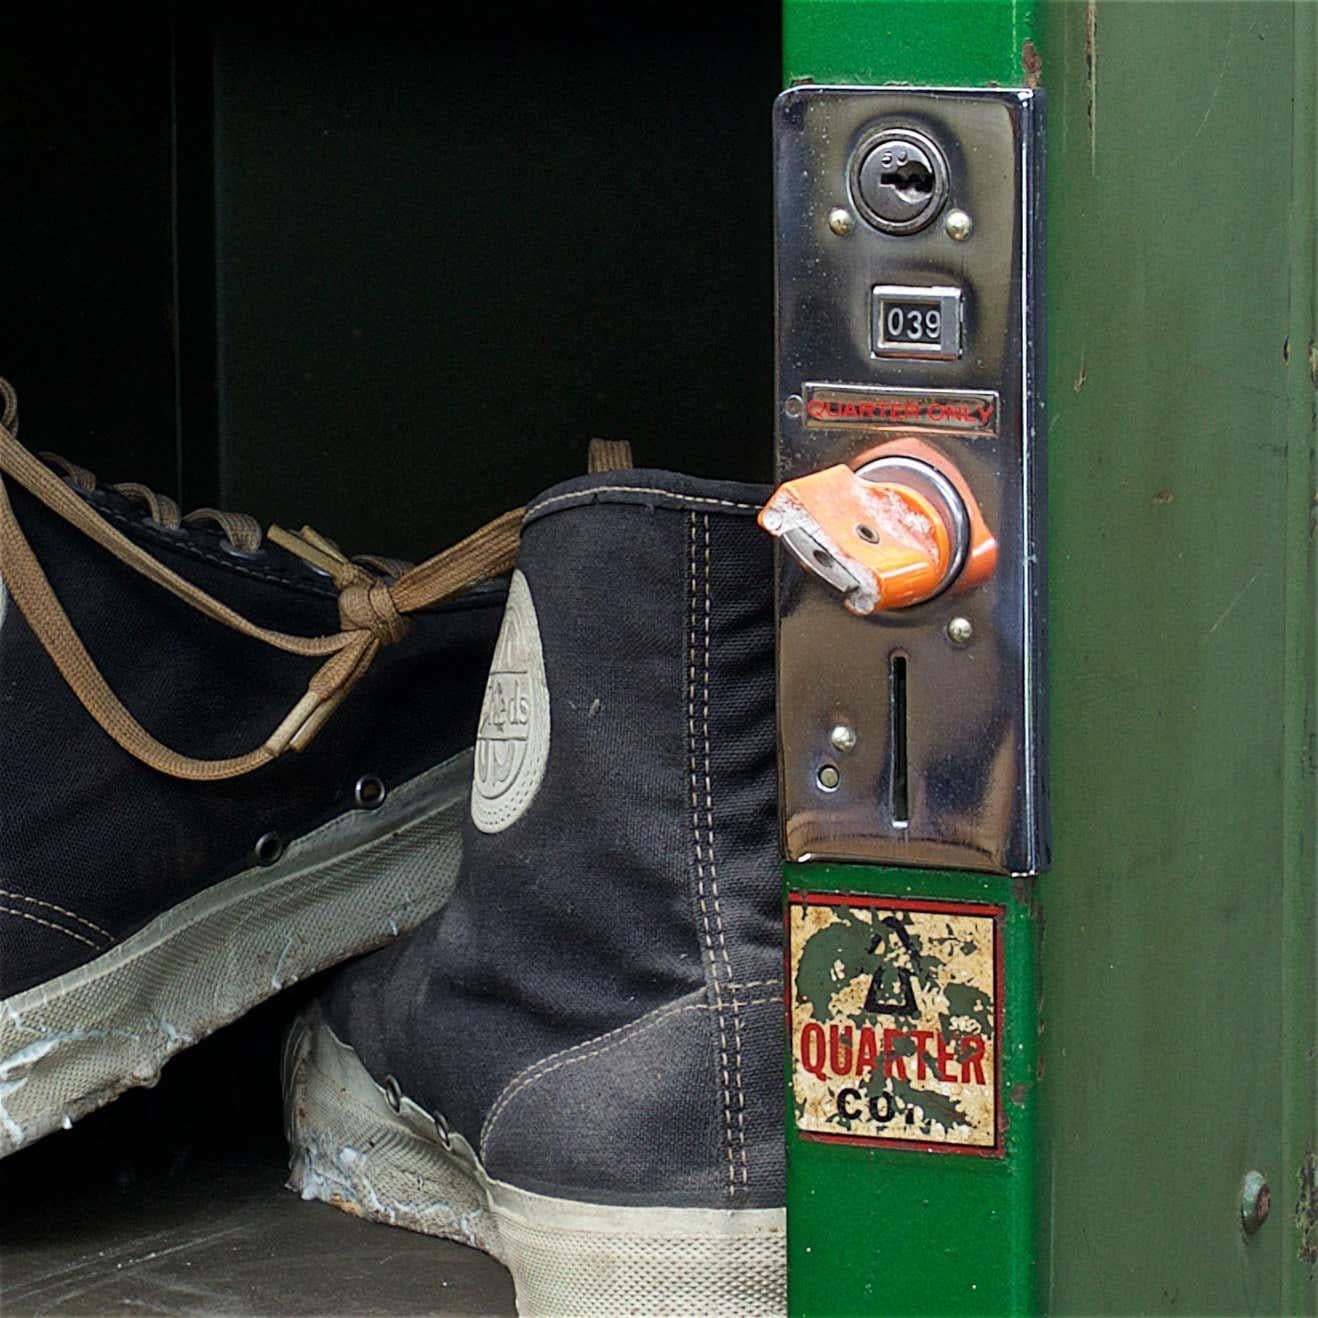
(895, 1014)
(874, 407)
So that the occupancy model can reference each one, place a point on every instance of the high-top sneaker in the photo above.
(150, 894)
(577, 1064)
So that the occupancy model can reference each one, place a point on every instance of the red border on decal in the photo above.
(799, 897)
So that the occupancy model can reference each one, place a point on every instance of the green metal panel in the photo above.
(892, 1231)
(888, 1230)
(1178, 957)
(967, 43)
(1177, 1015)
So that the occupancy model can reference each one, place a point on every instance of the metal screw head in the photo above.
(1255, 1201)
(841, 221)
(828, 777)
(793, 405)
(959, 225)
(960, 631)
(843, 737)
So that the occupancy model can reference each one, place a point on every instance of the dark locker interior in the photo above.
(384, 270)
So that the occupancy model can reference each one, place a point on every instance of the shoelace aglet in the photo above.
(317, 720)
(314, 537)
(307, 550)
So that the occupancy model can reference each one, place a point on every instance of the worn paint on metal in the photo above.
(895, 1016)
(1306, 1213)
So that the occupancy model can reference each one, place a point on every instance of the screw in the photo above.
(1255, 1202)
(958, 225)
(843, 737)
(841, 221)
(793, 405)
(959, 631)
(828, 777)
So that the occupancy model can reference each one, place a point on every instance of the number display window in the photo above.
(916, 322)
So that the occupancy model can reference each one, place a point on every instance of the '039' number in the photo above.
(913, 324)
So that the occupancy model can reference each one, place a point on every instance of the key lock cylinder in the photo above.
(909, 504)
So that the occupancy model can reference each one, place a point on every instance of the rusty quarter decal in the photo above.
(895, 1010)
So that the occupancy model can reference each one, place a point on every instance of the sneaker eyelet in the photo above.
(441, 1130)
(246, 555)
(269, 847)
(173, 532)
(393, 1095)
(370, 791)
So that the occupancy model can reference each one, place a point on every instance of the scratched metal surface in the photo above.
(172, 1201)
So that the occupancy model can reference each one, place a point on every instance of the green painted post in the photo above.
(1167, 1045)
(879, 1230)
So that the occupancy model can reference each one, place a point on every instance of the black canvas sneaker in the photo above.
(577, 1064)
(168, 869)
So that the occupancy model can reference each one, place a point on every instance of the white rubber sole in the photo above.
(351, 1148)
(72, 1044)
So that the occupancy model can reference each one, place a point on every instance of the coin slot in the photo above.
(901, 815)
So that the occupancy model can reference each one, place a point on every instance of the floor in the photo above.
(172, 1201)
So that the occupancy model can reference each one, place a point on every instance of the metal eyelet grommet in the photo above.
(246, 555)
(369, 792)
(441, 1130)
(269, 847)
(393, 1095)
(173, 532)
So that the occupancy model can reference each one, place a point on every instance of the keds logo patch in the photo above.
(512, 742)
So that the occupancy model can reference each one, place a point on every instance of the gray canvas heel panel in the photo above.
(637, 1116)
(632, 1115)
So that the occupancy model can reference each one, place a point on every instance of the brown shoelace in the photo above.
(372, 612)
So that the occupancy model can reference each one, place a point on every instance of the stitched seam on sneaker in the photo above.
(702, 900)
(58, 928)
(606, 1042)
(189, 548)
(681, 500)
(50, 906)
(713, 882)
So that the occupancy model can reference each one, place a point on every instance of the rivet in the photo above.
(441, 1129)
(828, 777)
(959, 225)
(843, 738)
(269, 847)
(794, 405)
(960, 631)
(841, 221)
(369, 793)
(1255, 1201)
(393, 1094)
